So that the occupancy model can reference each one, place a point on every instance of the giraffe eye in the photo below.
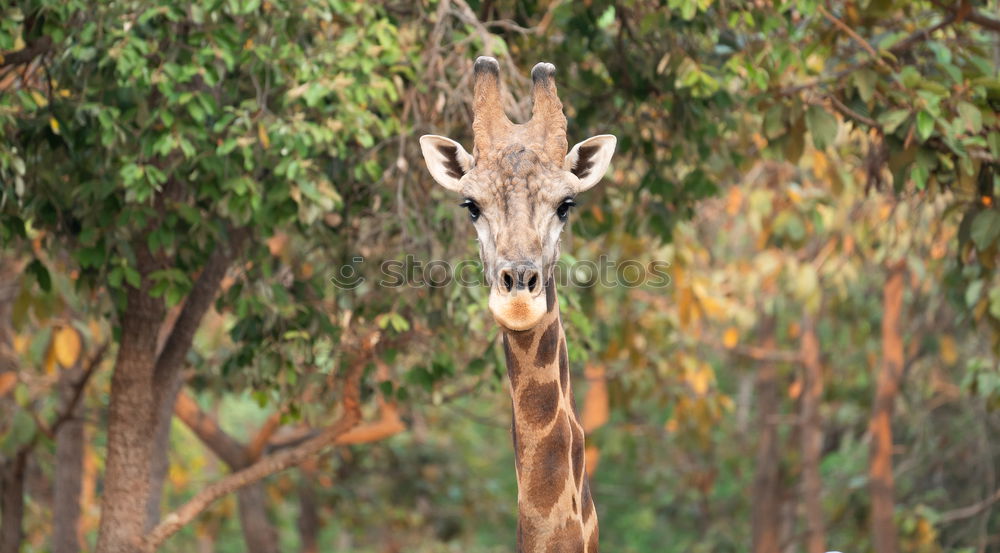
(563, 210)
(473, 208)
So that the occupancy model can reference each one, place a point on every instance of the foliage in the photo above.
(777, 154)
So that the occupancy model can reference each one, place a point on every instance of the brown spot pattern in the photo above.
(587, 501)
(513, 367)
(549, 470)
(527, 535)
(547, 345)
(538, 403)
(568, 538)
(517, 445)
(592, 541)
(522, 338)
(577, 453)
(563, 367)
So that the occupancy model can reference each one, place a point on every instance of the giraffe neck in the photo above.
(555, 509)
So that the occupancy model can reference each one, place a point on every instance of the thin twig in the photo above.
(970, 510)
(79, 386)
(854, 35)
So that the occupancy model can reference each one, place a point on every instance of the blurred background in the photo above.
(182, 184)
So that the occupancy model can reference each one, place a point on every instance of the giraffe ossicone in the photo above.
(519, 185)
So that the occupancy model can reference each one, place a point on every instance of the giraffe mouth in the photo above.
(519, 310)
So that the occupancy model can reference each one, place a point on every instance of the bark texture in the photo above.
(11, 470)
(812, 438)
(172, 347)
(12, 475)
(160, 456)
(309, 521)
(880, 477)
(766, 517)
(131, 420)
(69, 466)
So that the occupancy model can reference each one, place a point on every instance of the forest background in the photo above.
(181, 184)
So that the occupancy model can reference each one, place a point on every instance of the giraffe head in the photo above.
(518, 185)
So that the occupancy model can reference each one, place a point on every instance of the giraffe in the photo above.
(518, 186)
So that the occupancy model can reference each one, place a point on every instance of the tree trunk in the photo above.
(12, 471)
(766, 518)
(258, 533)
(69, 470)
(812, 438)
(131, 422)
(309, 522)
(161, 454)
(172, 345)
(880, 478)
(12, 475)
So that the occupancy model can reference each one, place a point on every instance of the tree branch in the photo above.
(963, 11)
(263, 468)
(848, 112)
(224, 446)
(971, 510)
(259, 441)
(26, 54)
(897, 49)
(197, 303)
(854, 35)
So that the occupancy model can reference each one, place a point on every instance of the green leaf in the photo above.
(774, 121)
(986, 228)
(22, 429)
(132, 277)
(891, 120)
(822, 126)
(919, 174)
(41, 274)
(971, 116)
(995, 302)
(865, 81)
(972, 293)
(925, 125)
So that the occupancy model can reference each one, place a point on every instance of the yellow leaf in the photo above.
(40, 100)
(949, 352)
(21, 344)
(265, 140)
(700, 379)
(54, 124)
(731, 337)
(49, 363)
(66, 344)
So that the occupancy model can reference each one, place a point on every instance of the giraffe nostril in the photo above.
(508, 281)
(532, 282)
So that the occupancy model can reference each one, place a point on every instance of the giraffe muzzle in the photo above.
(517, 300)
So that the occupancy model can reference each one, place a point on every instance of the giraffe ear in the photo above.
(446, 159)
(589, 159)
